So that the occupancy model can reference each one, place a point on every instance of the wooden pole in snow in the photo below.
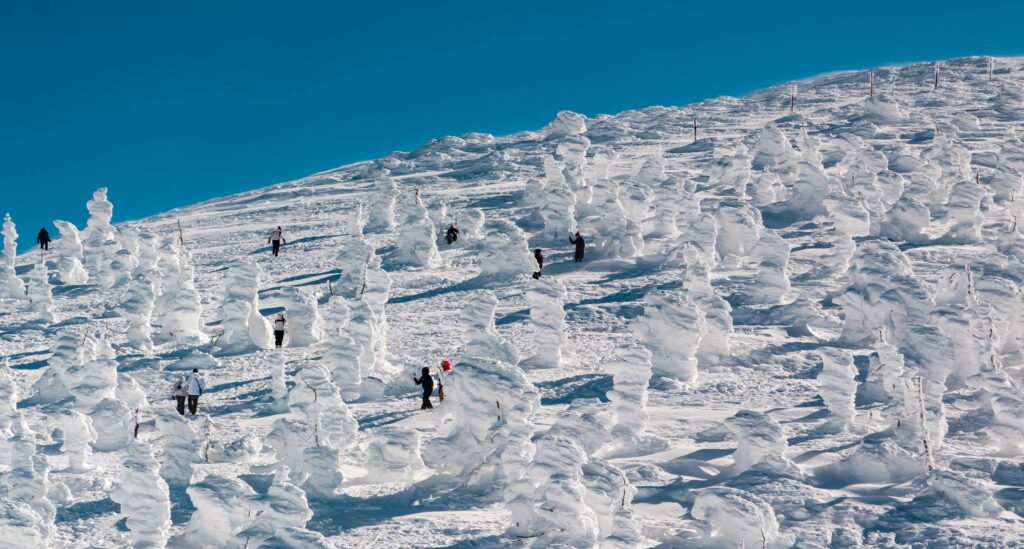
(871, 83)
(936, 77)
(991, 65)
(792, 101)
(694, 130)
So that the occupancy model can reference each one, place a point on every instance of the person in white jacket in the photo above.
(194, 386)
(180, 392)
(279, 323)
(275, 240)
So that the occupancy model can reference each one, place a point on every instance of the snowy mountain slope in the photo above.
(800, 330)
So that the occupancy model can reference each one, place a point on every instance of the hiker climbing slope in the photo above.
(43, 239)
(276, 239)
(452, 234)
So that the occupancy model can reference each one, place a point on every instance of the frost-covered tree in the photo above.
(557, 205)
(280, 512)
(143, 497)
(305, 325)
(479, 333)
(224, 505)
(492, 406)
(631, 375)
(315, 397)
(381, 215)
(739, 228)
(114, 424)
(735, 518)
(549, 506)
(547, 316)
(11, 287)
(26, 480)
(353, 258)
(837, 384)
(71, 253)
(505, 256)
(177, 308)
(715, 346)
(100, 238)
(416, 245)
(394, 454)
(78, 436)
(759, 439)
(671, 329)
(245, 329)
(964, 210)
(137, 309)
(40, 294)
(94, 378)
(278, 386)
(771, 253)
(730, 172)
(69, 352)
(180, 447)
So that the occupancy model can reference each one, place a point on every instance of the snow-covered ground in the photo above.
(803, 329)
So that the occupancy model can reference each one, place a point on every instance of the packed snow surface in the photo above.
(803, 329)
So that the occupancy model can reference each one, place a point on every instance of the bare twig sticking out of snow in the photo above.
(181, 235)
(924, 424)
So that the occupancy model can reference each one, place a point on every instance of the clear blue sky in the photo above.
(169, 103)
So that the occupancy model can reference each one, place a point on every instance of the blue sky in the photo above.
(169, 103)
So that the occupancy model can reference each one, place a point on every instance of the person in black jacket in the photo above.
(428, 387)
(43, 239)
(452, 235)
(539, 256)
(580, 245)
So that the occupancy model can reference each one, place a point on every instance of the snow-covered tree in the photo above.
(759, 439)
(224, 505)
(505, 255)
(394, 454)
(40, 294)
(715, 346)
(416, 245)
(143, 497)
(557, 205)
(771, 253)
(547, 316)
(630, 368)
(26, 480)
(492, 406)
(95, 377)
(672, 328)
(177, 310)
(78, 436)
(100, 238)
(180, 447)
(837, 384)
(71, 253)
(305, 325)
(479, 333)
(381, 215)
(244, 328)
(11, 287)
(278, 513)
(551, 508)
(68, 352)
(735, 518)
(137, 309)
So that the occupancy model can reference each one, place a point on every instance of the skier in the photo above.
(428, 387)
(279, 323)
(194, 386)
(43, 239)
(179, 393)
(276, 239)
(539, 256)
(452, 235)
(580, 245)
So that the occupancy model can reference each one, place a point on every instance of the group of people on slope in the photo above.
(189, 388)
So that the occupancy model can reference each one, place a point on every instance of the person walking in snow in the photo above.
(580, 245)
(445, 367)
(194, 386)
(279, 323)
(452, 235)
(179, 393)
(43, 239)
(427, 381)
(276, 239)
(539, 256)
